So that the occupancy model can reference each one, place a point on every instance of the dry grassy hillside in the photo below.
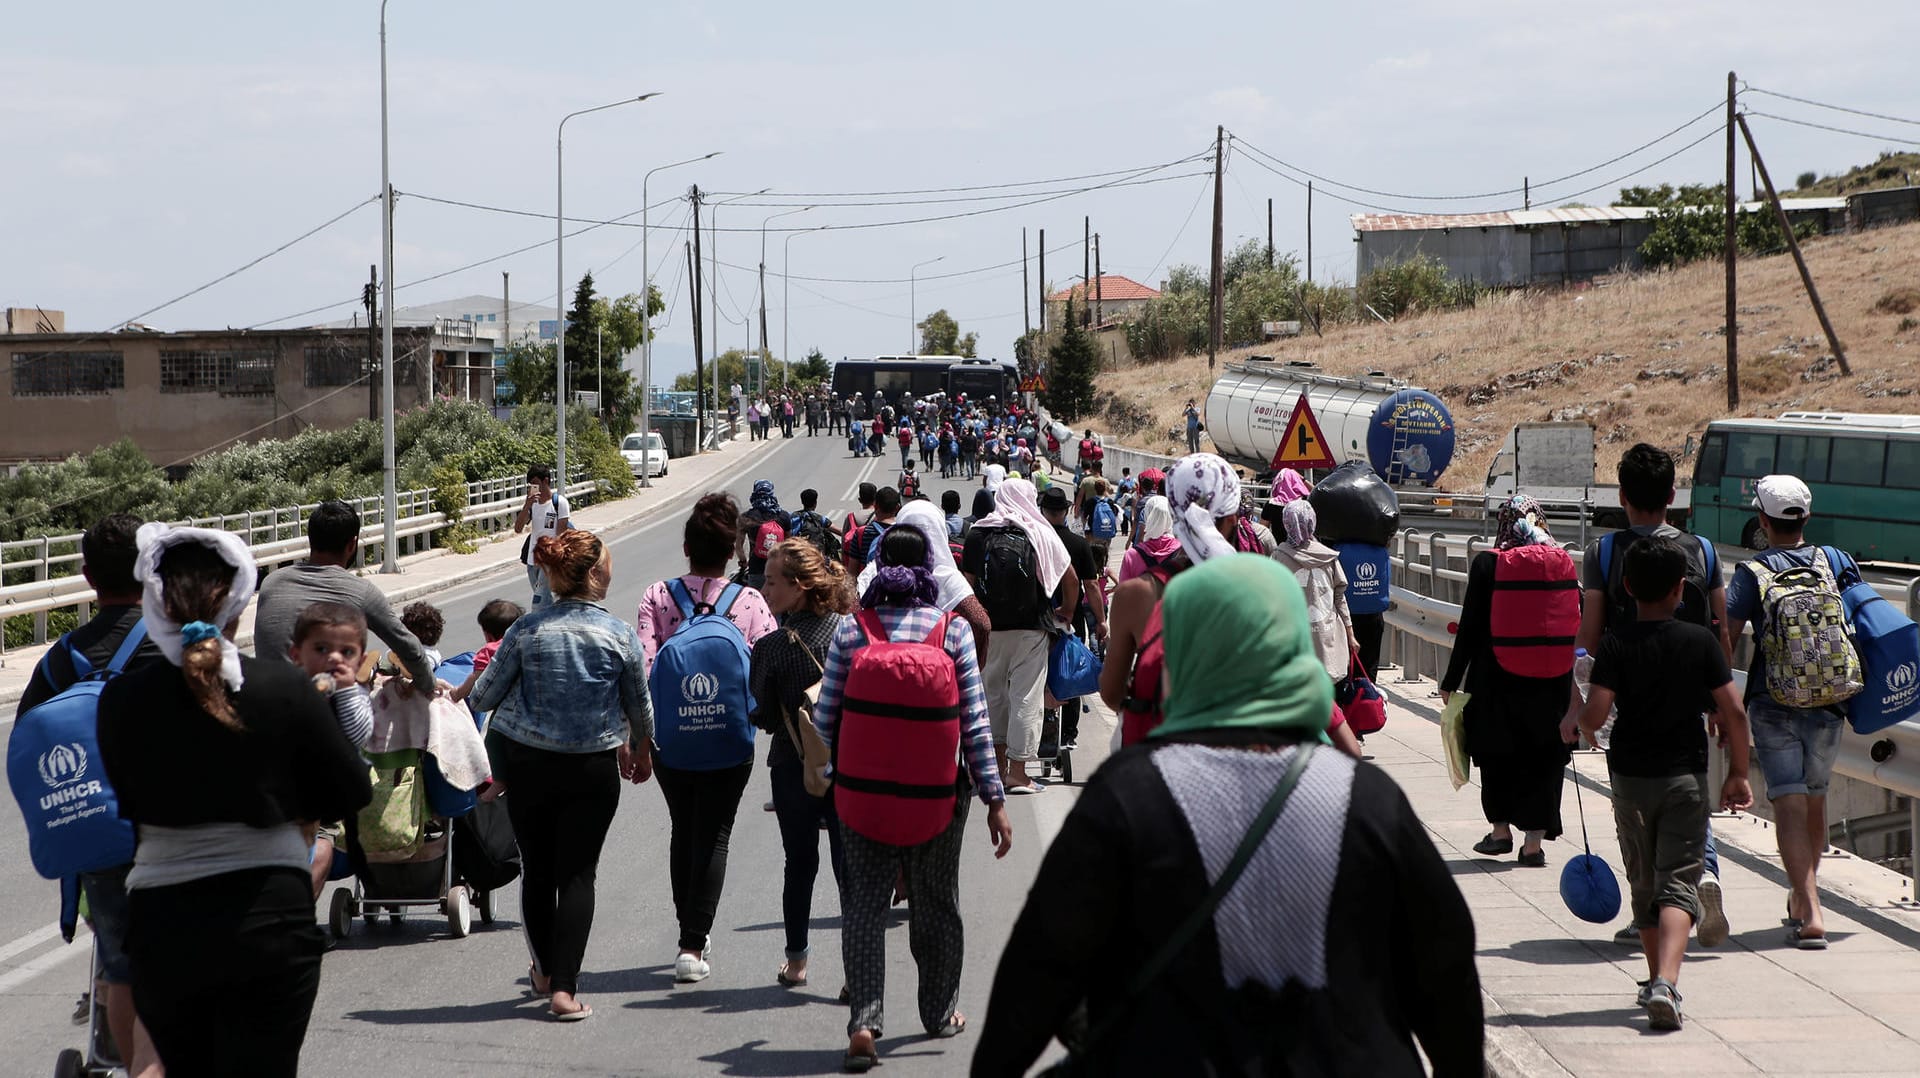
(1642, 356)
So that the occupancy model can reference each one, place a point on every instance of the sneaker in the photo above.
(1663, 1006)
(690, 968)
(1628, 936)
(1713, 926)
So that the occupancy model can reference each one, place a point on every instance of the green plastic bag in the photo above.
(1453, 737)
(394, 823)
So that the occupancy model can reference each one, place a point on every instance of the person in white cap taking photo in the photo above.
(1795, 693)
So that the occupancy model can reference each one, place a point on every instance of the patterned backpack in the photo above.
(1809, 654)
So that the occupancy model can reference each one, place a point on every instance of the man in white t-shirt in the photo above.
(544, 513)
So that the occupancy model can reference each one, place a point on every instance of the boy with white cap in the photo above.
(1794, 746)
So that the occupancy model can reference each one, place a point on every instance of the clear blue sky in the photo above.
(151, 148)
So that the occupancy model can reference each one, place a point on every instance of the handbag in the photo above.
(1077, 1062)
(1072, 669)
(1587, 884)
(814, 754)
(1360, 700)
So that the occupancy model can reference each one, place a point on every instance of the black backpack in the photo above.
(1694, 605)
(1010, 579)
(814, 529)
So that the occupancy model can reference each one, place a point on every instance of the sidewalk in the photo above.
(439, 569)
(1559, 992)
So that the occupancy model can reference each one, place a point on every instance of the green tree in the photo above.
(729, 369)
(1072, 363)
(939, 334)
(529, 373)
(1249, 257)
(1260, 295)
(1186, 278)
(814, 368)
(1689, 224)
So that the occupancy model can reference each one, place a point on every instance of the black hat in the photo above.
(1055, 498)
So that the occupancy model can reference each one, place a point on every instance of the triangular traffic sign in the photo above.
(1302, 445)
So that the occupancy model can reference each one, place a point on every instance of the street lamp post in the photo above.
(785, 293)
(560, 280)
(713, 289)
(646, 308)
(913, 302)
(785, 359)
(390, 504)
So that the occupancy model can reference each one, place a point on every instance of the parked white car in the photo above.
(646, 454)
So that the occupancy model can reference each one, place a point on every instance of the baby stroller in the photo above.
(400, 847)
(101, 1057)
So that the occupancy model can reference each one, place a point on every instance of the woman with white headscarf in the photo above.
(1157, 545)
(1316, 566)
(1019, 567)
(956, 595)
(222, 762)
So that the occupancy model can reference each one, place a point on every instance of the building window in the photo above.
(234, 374)
(67, 374)
(335, 364)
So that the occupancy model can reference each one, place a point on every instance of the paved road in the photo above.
(395, 1000)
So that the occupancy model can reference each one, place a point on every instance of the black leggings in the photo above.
(1368, 630)
(561, 805)
(225, 970)
(801, 814)
(701, 805)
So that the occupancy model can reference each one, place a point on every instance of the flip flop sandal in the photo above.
(535, 992)
(1804, 943)
(585, 1012)
(790, 982)
(955, 1026)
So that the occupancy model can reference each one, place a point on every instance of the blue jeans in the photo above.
(1796, 748)
(800, 815)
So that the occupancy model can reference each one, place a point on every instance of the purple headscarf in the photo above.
(903, 585)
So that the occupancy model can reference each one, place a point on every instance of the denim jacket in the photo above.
(568, 678)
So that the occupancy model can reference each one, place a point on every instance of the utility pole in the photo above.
(1309, 231)
(766, 357)
(369, 296)
(1217, 304)
(1732, 238)
(1793, 245)
(1098, 314)
(599, 376)
(1526, 192)
(1086, 270)
(1269, 233)
(699, 366)
(1026, 299)
(1043, 282)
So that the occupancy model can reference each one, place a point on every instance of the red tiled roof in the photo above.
(1113, 289)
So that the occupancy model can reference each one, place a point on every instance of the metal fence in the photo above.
(39, 576)
(1430, 580)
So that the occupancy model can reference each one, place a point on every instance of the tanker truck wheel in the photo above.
(1752, 537)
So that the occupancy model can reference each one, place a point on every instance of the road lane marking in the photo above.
(82, 944)
(29, 941)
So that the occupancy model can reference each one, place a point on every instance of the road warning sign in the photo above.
(1303, 446)
(1033, 383)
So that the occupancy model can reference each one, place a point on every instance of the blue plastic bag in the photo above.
(1072, 670)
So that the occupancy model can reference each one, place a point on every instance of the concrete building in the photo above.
(181, 395)
(1530, 247)
(1120, 299)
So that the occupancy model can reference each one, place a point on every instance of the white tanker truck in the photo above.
(1402, 431)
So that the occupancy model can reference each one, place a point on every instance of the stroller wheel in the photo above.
(71, 1063)
(340, 915)
(1066, 766)
(485, 904)
(459, 912)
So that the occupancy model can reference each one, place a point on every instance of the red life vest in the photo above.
(896, 755)
(1535, 610)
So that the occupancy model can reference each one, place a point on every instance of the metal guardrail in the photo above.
(1430, 574)
(274, 536)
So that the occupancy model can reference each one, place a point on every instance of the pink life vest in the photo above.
(896, 755)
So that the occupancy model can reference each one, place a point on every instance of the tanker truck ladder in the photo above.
(1396, 458)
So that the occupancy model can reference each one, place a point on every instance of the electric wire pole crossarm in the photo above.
(646, 307)
(560, 280)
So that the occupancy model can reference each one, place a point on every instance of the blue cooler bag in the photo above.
(1072, 671)
(1889, 647)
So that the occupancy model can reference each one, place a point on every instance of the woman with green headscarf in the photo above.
(1282, 978)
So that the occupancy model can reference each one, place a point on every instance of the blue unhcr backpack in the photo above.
(1889, 646)
(54, 766)
(1105, 523)
(699, 687)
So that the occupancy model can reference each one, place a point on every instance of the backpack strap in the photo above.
(871, 624)
(1606, 559)
(677, 591)
(1712, 556)
(725, 602)
(81, 667)
(938, 637)
(136, 636)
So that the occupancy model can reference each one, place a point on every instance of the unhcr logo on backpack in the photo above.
(701, 693)
(1365, 571)
(63, 764)
(1903, 685)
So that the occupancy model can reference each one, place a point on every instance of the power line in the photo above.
(1824, 105)
(798, 200)
(1177, 236)
(1907, 141)
(1485, 194)
(977, 187)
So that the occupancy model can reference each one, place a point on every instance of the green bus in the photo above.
(1863, 470)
